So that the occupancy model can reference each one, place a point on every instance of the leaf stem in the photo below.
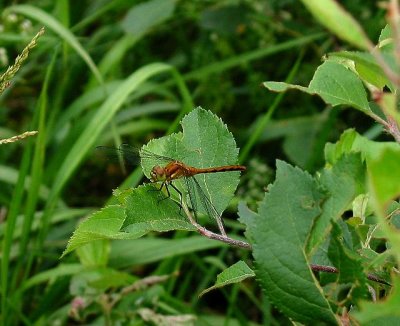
(212, 235)
(331, 269)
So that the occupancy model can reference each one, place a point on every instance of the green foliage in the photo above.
(143, 17)
(278, 233)
(296, 217)
(236, 273)
(144, 209)
(383, 313)
(323, 236)
(334, 83)
(330, 14)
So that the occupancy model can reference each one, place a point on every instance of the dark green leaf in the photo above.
(279, 233)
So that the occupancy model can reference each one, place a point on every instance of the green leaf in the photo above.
(350, 141)
(283, 87)
(338, 85)
(233, 274)
(349, 265)
(104, 224)
(204, 142)
(367, 67)
(142, 17)
(334, 83)
(384, 175)
(94, 254)
(146, 210)
(331, 15)
(384, 312)
(386, 34)
(279, 233)
(342, 182)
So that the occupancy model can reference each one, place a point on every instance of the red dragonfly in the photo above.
(166, 170)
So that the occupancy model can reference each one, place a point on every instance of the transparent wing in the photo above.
(195, 191)
(191, 189)
(132, 155)
(147, 155)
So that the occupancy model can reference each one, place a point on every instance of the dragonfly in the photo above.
(166, 170)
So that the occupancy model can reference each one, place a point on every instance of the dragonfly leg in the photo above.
(165, 184)
(180, 197)
(159, 190)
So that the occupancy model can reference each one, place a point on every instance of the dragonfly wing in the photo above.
(207, 204)
(132, 155)
(191, 189)
(129, 156)
(204, 199)
(147, 155)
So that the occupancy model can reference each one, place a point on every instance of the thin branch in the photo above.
(212, 235)
(334, 270)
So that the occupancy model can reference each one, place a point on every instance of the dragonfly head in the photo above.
(157, 173)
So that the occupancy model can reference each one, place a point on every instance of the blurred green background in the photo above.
(160, 58)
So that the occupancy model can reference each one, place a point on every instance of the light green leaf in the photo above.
(331, 15)
(350, 141)
(334, 83)
(386, 33)
(279, 233)
(367, 67)
(384, 175)
(233, 274)
(338, 85)
(104, 224)
(386, 43)
(94, 254)
(283, 87)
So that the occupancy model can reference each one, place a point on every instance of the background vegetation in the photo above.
(112, 72)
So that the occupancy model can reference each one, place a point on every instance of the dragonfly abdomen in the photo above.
(225, 168)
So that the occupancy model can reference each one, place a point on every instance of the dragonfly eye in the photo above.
(157, 173)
